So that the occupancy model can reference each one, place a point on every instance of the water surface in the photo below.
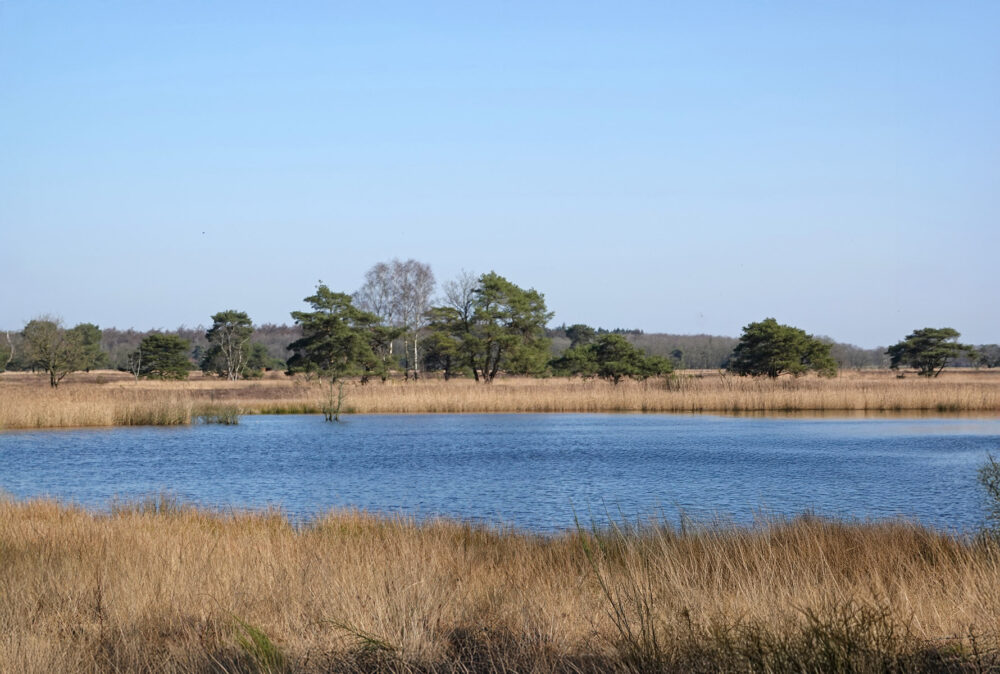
(530, 470)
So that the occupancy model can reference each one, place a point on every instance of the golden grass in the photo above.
(109, 398)
(179, 589)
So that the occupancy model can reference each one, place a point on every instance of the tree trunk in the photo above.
(416, 360)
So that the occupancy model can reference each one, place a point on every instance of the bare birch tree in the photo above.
(413, 284)
(399, 293)
(133, 361)
(378, 296)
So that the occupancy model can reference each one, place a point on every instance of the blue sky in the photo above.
(672, 167)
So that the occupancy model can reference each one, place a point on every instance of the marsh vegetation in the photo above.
(158, 586)
(111, 398)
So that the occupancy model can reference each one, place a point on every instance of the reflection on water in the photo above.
(530, 470)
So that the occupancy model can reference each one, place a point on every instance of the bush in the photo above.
(989, 478)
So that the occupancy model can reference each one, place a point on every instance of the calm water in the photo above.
(529, 470)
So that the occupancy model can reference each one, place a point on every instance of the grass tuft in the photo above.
(266, 657)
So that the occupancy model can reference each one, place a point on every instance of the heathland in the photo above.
(108, 398)
(160, 587)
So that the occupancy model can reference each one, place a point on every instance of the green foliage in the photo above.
(769, 348)
(988, 355)
(508, 328)
(580, 335)
(88, 337)
(448, 345)
(579, 360)
(266, 656)
(611, 357)
(928, 350)
(223, 415)
(52, 349)
(229, 350)
(336, 343)
(497, 325)
(162, 356)
(258, 359)
(989, 477)
(380, 339)
(616, 358)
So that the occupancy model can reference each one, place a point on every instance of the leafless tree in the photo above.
(134, 363)
(413, 284)
(459, 294)
(399, 293)
(378, 294)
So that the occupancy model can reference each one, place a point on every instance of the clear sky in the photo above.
(676, 167)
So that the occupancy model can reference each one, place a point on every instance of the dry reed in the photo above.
(109, 399)
(162, 587)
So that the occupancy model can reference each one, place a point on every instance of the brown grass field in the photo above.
(113, 398)
(162, 587)
(159, 587)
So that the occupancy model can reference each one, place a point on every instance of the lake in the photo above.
(530, 470)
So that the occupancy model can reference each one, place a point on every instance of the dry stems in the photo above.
(169, 588)
(108, 399)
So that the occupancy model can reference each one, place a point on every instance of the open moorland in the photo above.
(108, 398)
(159, 587)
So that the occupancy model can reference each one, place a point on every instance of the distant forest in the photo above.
(410, 323)
(697, 352)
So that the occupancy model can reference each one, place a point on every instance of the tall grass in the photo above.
(109, 399)
(180, 589)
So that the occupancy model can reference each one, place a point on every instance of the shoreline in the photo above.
(828, 414)
(108, 399)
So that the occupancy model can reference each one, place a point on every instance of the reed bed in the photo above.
(110, 399)
(165, 587)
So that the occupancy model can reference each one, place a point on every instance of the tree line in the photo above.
(477, 327)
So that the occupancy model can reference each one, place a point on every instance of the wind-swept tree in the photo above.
(928, 350)
(769, 348)
(335, 343)
(229, 348)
